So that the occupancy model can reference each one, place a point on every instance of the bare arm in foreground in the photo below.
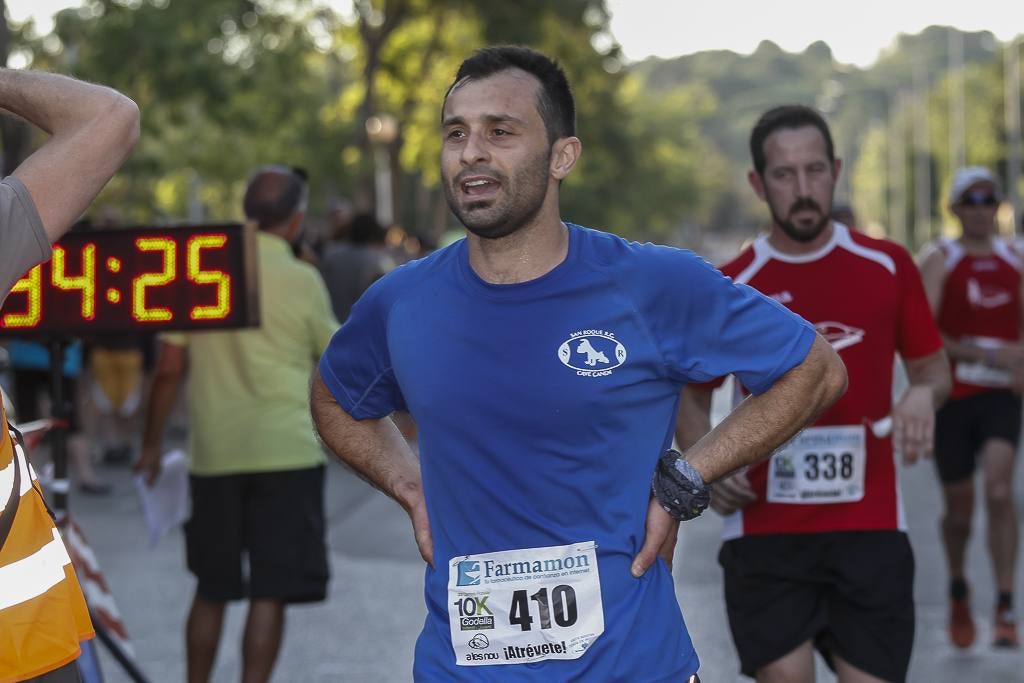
(377, 452)
(758, 426)
(92, 129)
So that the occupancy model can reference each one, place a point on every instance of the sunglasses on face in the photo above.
(974, 199)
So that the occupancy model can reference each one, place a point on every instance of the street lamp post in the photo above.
(382, 130)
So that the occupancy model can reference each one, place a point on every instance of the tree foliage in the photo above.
(227, 85)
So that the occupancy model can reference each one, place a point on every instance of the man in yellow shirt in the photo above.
(43, 615)
(257, 469)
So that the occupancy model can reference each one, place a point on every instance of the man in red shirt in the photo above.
(974, 287)
(815, 554)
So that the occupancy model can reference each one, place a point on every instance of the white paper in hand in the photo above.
(165, 504)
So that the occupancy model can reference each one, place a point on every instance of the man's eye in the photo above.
(455, 134)
(500, 132)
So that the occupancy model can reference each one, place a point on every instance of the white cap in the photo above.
(966, 176)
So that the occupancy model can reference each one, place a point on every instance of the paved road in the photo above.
(365, 632)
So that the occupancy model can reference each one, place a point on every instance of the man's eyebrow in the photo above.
(489, 118)
(453, 121)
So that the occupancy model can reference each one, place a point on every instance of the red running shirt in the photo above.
(865, 296)
(980, 305)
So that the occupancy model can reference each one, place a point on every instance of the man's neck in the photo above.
(525, 255)
(976, 246)
(785, 244)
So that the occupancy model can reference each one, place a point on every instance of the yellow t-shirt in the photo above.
(248, 395)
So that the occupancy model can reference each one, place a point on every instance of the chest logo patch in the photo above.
(984, 295)
(592, 353)
(840, 336)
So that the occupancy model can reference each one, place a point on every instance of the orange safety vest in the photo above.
(43, 615)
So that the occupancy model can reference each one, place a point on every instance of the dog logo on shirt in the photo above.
(592, 353)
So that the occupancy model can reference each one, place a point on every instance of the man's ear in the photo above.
(295, 226)
(756, 182)
(564, 155)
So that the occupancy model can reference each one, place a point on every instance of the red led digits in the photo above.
(222, 280)
(32, 286)
(158, 279)
(86, 282)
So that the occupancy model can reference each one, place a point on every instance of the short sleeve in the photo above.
(23, 241)
(717, 328)
(356, 367)
(918, 335)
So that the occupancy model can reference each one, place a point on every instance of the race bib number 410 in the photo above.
(819, 465)
(528, 605)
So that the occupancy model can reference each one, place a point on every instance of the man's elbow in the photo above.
(122, 119)
(129, 118)
(834, 378)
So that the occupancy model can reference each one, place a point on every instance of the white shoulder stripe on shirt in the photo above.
(762, 255)
(764, 252)
(845, 241)
(953, 252)
(1003, 251)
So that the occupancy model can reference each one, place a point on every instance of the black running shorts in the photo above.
(276, 519)
(963, 425)
(849, 592)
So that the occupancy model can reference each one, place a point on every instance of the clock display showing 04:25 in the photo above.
(178, 278)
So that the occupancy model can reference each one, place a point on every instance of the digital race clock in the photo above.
(139, 279)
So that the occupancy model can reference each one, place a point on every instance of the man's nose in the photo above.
(474, 151)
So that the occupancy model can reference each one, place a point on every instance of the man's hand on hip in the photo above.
(661, 534)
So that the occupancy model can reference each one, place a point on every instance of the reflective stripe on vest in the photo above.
(29, 577)
(32, 576)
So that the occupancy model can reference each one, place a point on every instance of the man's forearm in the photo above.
(961, 351)
(760, 424)
(932, 373)
(162, 394)
(375, 449)
(53, 102)
(93, 128)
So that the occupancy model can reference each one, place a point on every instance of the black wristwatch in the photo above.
(679, 488)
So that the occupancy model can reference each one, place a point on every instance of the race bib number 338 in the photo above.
(819, 465)
(528, 605)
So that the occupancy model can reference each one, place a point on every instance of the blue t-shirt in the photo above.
(542, 409)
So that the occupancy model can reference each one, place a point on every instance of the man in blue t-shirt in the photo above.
(542, 362)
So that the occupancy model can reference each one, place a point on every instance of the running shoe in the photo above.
(961, 624)
(1004, 632)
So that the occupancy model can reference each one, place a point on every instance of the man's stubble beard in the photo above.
(796, 233)
(524, 198)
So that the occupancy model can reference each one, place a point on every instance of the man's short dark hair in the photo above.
(274, 194)
(554, 101)
(787, 116)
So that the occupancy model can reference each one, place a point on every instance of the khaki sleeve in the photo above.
(23, 243)
(323, 323)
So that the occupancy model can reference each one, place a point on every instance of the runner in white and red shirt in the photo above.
(815, 554)
(974, 286)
